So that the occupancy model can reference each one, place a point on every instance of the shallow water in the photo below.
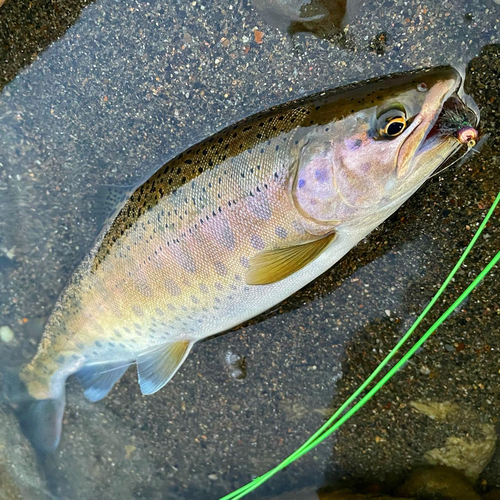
(132, 83)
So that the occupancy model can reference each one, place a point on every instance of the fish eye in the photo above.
(392, 123)
(395, 126)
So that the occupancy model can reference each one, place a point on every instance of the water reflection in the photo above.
(324, 18)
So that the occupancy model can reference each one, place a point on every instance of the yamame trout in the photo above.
(236, 224)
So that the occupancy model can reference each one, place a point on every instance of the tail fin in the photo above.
(40, 420)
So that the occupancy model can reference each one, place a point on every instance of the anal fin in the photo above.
(270, 266)
(158, 364)
(98, 379)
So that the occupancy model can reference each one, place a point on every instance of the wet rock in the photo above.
(439, 411)
(346, 494)
(492, 495)
(438, 482)
(19, 476)
(469, 454)
(10, 490)
(302, 494)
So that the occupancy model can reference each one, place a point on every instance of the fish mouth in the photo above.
(454, 116)
(414, 150)
(436, 136)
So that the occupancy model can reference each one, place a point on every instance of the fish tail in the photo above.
(41, 422)
(39, 419)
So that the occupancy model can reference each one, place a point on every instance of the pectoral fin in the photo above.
(270, 266)
(157, 365)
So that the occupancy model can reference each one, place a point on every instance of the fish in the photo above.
(236, 224)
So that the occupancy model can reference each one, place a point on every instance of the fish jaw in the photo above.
(408, 158)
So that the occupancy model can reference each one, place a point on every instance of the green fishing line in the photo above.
(333, 424)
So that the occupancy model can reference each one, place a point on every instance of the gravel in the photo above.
(130, 84)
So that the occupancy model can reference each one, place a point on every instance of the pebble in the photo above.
(237, 365)
(6, 334)
(424, 370)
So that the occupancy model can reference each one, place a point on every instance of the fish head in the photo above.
(367, 150)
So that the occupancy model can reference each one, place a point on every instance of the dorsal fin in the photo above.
(270, 266)
(158, 364)
(108, 201)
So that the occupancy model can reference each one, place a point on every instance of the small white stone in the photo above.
(10, 254)
(6, 333)
(424, 370)
(388, 312)
(213, 477)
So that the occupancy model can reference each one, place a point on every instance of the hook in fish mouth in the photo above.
(458, 120)
(455, 120)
